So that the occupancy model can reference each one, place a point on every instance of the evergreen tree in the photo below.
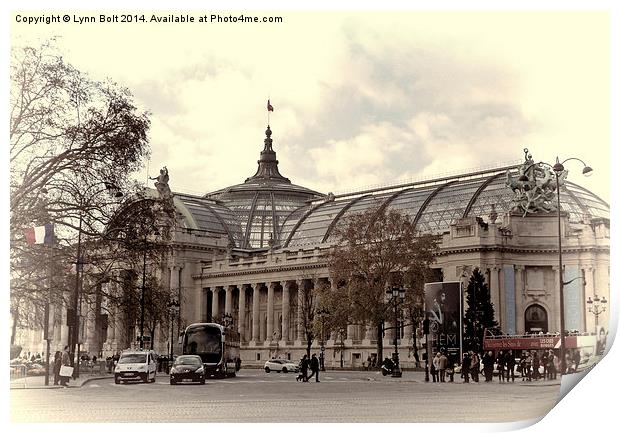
(480, 313)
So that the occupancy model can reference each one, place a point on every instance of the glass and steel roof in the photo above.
(435, 207)
(267, 209)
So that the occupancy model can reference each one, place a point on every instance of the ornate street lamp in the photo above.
(558, 169)
(396, 294)
(322, 313)
(227, 318)
(596, 306)
(174, 306)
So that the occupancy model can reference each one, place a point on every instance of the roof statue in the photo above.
(162, 184)
(534, 188)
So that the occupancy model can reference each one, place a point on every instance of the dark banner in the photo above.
(443, 303)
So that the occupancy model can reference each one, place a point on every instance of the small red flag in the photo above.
(269, 106)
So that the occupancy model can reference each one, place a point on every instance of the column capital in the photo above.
(555, 268)
(519, 267)
(273, 284)
(287, 284)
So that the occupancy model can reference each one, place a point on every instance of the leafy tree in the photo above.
(337, 305)
(378, 249)
(480, 312)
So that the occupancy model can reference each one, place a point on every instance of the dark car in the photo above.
(187, 368)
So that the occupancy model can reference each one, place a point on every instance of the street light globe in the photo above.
(587, 171)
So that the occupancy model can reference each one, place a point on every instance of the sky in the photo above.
(360, 98)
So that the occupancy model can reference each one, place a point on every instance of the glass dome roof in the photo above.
(262, 203)
(268, 210)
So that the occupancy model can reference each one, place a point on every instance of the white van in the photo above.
(136, 365)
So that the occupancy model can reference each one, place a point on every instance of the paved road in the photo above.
(254, 396)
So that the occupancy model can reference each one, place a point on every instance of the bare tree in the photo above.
(377, 249)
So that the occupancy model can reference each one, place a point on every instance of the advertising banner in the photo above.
(444, 309)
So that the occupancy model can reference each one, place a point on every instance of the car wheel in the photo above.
(117, 380)
(202, 381)
(146, 378)
(284, 370)
(173, 382)
(267, 370)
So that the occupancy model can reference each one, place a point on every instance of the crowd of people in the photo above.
(530, 365)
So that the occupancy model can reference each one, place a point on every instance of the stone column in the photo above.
(270, 289)
(255, 312)
(228, 306)
(285, 310)
(519, 298)
(495, 293)
(300, 297)
(241, 320)
(215, 302)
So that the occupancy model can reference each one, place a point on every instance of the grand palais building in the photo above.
(248, 249)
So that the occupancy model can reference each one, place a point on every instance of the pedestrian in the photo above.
(57, 364)
(303, 369)
(450, 368)
(314, 367)
(526, 365)
(474, 366)
(551, 367)
(510, 365)
(576, 359)
(369, 361)
(501, 362)
(487, 363)
(465, 367)
(435, 367)
(535, 366)
(544, 359)
(443, 363)
(66, 361)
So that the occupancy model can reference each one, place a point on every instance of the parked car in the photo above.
(282, 365)
(187, 368)
(136, 365)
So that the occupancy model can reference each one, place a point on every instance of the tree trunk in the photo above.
(415, 346)
(379, 344)
(14, 330)
(308, 345)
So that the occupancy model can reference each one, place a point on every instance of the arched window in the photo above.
(536, 319)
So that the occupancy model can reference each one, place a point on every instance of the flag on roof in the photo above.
(269, 106)
(40, 235)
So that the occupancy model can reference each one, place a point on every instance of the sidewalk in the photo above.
(38, 382)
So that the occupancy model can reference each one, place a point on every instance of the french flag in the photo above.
(40, 235)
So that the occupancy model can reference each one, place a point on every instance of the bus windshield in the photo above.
(204, 341)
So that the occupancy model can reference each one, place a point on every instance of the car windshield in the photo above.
(133, 358)
(188, 360)
(205, 341)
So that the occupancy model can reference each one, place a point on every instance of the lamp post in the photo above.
(596, 306)
(558, 170)
(396, 293)
(322, 313)
(174, 307)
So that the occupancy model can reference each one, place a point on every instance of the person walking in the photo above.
(544, 359)
(551, 368)
(474, 366)
(535, 366)
(65, 360)
(303, 369)
(509, 358)
(443, 363)
(314, 367)
(501, 362)
(465, 367)
(435, 367)
(487, 362)
(57, 364)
